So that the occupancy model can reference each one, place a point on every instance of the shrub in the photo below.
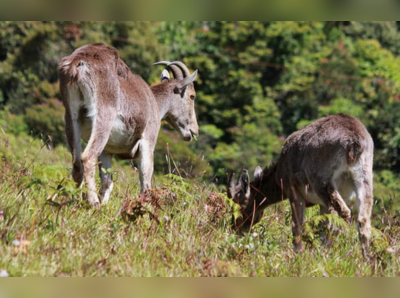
(175, 156)
(47, 119)
(14, 124)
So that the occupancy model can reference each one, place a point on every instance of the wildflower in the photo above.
(324, 275)
(250, 246)
(282, 138)
(1, 212)
(4, 273)
(16, 242)
(391, 250)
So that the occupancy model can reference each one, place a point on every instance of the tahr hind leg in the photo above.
(72, 101)
(105, 177)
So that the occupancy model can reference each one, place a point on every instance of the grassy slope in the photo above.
(59, 236)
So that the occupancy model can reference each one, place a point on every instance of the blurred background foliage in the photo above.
(258, 82)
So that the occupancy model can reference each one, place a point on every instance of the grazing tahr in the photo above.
(327, 163)
(117, 113)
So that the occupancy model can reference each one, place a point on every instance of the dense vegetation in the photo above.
(258, 82)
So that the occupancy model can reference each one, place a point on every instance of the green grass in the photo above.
(60, 235)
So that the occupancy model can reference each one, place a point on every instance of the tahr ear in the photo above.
(231, 186)
(258, 173)
(244, 181)
(165, 75)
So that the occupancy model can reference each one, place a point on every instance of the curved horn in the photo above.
(176, 71)
(182, 66)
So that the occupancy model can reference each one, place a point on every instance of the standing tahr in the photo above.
(117, 113)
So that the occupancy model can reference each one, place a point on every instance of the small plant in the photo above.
(323, 226)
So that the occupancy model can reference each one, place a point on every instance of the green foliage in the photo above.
(384, 32)
(47, 119)
(327, 226)
(386, 188)
(31, 54)
(225, 157)
(337, 106)
(341, 105)
(173, 155)
(12, 124)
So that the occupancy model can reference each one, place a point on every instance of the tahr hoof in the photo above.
(297, 246)
(96, 205)
(94, 202)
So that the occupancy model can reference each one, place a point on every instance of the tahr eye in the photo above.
(192, 97)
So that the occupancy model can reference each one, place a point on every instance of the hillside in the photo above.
(258, 82)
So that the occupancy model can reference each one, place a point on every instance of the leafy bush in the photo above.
(386, 188)
(13, 124)
(47, 120)
(342, 105)
(173, 155)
